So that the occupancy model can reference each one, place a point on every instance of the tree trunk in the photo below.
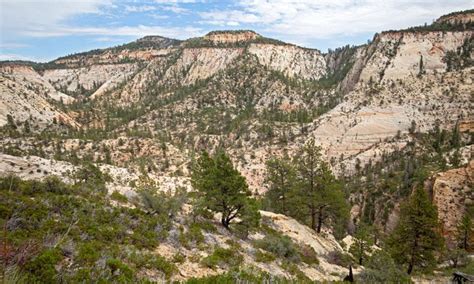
(465, 240)
(313, 219)
(225, 222)
(320, 220)
(410, 268)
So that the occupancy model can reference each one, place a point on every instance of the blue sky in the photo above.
(41, 30)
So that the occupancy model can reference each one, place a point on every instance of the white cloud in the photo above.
(176, 9)
(139, 9)
(17, 15)
(177, 1)
(140, 30)
(12, 56)
(158, 16)
(12, 45)
(326, 18)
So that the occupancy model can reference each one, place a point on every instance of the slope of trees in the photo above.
(416, 237)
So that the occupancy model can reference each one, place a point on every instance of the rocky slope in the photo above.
(151, 105)
(453, 195)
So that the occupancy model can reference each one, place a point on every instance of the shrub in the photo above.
(281, 246)
(178, 258)
(89, 252)
(117, 196)
(261, 256)
(42, 267)
(163, 265)
(239, 276)
(120, 271)
(339, 258)
(222, 256)
(308, 255)
(381, 268)
(194, 235)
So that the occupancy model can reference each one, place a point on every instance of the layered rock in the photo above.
(25, 97)
(453, 194)
(291, 60)
(231, 36)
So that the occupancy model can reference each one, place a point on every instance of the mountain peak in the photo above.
(155, 41)
(231, 36)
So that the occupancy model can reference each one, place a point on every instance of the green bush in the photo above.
(381, 268)
(221, 257)
(194, 234)
(239, 276)
(281, 246)
(178, 258)
(120, 271)
(308, 255)
(42, 267)
(163, 265)
(117, 196)
(340, 258)
(89, 252)
(261, 256)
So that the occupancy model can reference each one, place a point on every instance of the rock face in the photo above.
(231, 36)
(76, 80)
(201, 63)
(25, 96)
(456, 18)
(398, 55)
(453, 194)
(292, 61)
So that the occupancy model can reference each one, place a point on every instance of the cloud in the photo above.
(327, 18)
(12, 45)
(12, 56)
(140, 30)
(158, 16)
(139, 9)
(176, 9)
(17, 15)
(177, 1)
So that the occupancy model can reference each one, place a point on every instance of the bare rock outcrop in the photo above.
(452, 194)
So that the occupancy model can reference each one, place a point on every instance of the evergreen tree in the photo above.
(416, 236)
(421, 70)
(363, 241)
(464, 231)
(281, 179)
(456, 137)
(26, 127)
(222, 189)
(92, 176)
(318, 191)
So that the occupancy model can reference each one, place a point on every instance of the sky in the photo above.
(42, 30)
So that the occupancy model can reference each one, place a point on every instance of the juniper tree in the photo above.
(416, 237)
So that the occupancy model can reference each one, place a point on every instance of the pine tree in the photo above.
(318, 190)
(456, 137)
(281, 179)
(26, 127)
(464, 231)
(363, 241)
(222, 189)
(421, 70)
(416, 236)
